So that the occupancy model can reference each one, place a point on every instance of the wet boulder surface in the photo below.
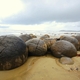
(73, 40)
(13, 52)
(63, 48)
(36, 47)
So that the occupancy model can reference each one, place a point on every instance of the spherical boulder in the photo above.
(73, 40)
(36, 47)
(63, 48)
(13, 52)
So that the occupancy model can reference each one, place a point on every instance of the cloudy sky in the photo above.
(39, 15)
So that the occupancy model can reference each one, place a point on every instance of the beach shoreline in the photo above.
(44, 67)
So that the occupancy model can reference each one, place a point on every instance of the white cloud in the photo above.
(27, 27)
(54, 26)
(10, 7)
(39, 11)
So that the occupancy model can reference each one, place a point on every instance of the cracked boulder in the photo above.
(63, 48)
(36, 47)
(13, 52)
(73, 40)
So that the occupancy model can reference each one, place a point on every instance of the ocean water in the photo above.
(38, 32)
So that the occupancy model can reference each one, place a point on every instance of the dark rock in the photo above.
(36, 47)
(63, 48)
(13, 52)
(73, 40)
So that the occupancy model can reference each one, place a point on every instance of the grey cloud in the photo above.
(72, 28)
(4, 26)
(40, 11)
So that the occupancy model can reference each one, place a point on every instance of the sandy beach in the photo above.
(44, 67)
(39, 39)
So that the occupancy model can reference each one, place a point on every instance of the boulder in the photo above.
(13, 52)
(78, 38)
(49, 42)
(36, 47)
(63, 48)
(66, 60)
(26, 37)
(45, 36)
(33, 36)
(73, 40)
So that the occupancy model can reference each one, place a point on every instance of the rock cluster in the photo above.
(14, 51)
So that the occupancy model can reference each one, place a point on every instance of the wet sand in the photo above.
(44, 68)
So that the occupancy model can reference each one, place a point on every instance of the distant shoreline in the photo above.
(38, 32)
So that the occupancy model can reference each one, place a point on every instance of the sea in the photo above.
(39, 32)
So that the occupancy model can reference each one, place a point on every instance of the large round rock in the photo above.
(13, 52)
(73, 40)
(36, 47)
(63, 48)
